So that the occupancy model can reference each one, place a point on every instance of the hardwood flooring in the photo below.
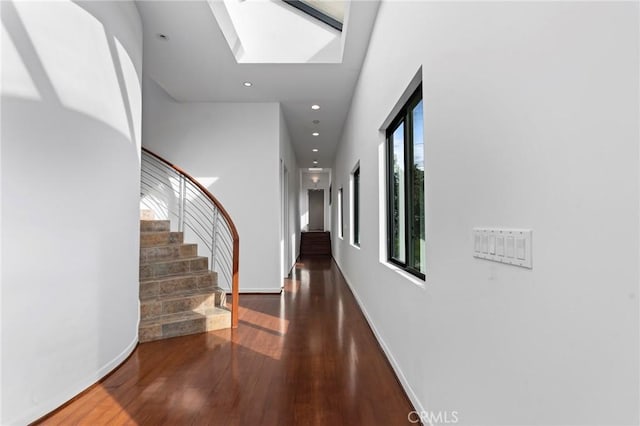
(304, 357)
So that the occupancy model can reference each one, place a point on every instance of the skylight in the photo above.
(271, 31)
(331, 12)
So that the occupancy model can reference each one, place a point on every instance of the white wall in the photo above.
(290, 237)
(233, 149)
(71, 110)
(531, 120)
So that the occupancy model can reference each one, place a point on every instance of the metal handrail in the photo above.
(171, 193)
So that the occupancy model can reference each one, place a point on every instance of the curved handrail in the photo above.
(232, 227)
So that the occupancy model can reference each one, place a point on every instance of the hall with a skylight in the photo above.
(320, 212)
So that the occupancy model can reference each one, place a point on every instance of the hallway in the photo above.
(306, 356)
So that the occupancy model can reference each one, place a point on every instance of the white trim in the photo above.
(410, 277)
(417, 405)
(65, 396)
(275, 290)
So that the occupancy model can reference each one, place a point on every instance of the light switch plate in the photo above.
(521, 251)
(500, 245)
(510, 246)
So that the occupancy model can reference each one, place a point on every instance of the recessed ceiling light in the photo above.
(315, 150)
(315, 134)
(163, 37)
(315, 169)
(315, 106)
(315, 161)
(247, 84)
(316, 121)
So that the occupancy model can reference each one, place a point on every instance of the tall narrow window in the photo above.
(356, 206)
(340, 215)
(406, 215)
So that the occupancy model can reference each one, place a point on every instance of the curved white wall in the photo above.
(531, 120)
(71, 112)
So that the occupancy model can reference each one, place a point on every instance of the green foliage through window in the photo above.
(405, 151)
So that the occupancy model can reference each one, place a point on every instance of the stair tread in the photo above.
(173, 277)
(158, 253)
(155, 225)
(179, 259)
(180, 294)
(184, 316)
(155, 238)
(170, 245)
(160, 232)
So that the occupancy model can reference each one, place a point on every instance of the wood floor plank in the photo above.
(305, 357)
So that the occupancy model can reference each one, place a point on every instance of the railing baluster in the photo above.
(181, 201)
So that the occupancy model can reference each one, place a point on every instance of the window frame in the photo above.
(340, 214)
(318, 14)
(403, 116)
(355, 206)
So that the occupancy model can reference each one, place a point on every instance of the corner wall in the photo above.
(531, 121)
(70, 179)
(290, 240)
(233, 150)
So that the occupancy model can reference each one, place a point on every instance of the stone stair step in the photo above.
(155, 226)
(178, 293)
(170, 251)
(173, 267)
(184, 323)
(175, 284)
(194, 301)
(218, 291)
(149, 239)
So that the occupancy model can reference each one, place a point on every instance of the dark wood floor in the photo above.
(305, 357)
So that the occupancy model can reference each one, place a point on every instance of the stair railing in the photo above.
(172, 194)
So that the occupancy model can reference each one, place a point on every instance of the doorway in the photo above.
(316, 210)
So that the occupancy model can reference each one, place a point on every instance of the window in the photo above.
(340, 215)
(355, 212)
(405, 197)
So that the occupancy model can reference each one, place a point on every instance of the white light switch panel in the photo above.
(510, 246)
(500, 246)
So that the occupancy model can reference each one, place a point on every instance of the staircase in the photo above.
(178, 293)
(315, 244)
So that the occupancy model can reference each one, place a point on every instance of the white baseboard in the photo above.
(66, 395)
(275, 290)
(417, 405)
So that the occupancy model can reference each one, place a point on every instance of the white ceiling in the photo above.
(196, 64)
